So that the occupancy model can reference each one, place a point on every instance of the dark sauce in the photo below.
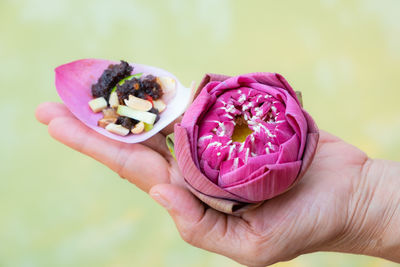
(110, 77)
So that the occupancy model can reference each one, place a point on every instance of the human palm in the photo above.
(309, 217)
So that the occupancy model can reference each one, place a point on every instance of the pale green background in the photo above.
(60, 208)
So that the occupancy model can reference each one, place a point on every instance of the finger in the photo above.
(47, 111)
(326, 137)
(135, 162)
(201, 227)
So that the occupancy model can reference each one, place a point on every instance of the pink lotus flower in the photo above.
(234, 175)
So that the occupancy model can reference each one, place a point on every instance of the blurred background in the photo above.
(61, 208)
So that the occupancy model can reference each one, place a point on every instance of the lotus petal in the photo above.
(190, 171)
(224, 205)
(74, 81)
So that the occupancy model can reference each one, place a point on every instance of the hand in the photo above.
(327, 210)
(127, 160)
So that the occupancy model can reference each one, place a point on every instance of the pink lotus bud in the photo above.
(244, 139)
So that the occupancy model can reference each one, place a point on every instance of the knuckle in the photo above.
(188, 235)
(258, 254)
(254, 251)
(121, 175)
(123, 161)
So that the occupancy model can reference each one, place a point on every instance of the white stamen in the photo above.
(228, 116)
(256, 127)
(222, 126)
(267, 130)
(235, 163)
(228, 108)
(242, 98)
(232, 147)
(259, 112)
(270, 145)
(216, 143)
(205, 137)
(241, 147)
(251, 122)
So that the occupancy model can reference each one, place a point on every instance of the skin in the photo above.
(346, 202)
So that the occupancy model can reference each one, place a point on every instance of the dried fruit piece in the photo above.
(137, 114)
(110, 113)
(117, 129)
(159, 105)
(98, 104)
(126, 122)
(139, 127)
(113, 100)
(138, 103)
(168, 86)
(104, 122)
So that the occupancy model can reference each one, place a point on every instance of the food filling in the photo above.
(130, 103)
(242, 125)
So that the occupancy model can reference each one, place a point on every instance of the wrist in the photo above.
(373, 227)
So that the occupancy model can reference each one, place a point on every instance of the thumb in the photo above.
(199, 226)
(182, 205)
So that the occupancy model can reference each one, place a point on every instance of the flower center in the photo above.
(241, 130)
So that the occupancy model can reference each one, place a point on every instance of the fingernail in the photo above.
(160, 200)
